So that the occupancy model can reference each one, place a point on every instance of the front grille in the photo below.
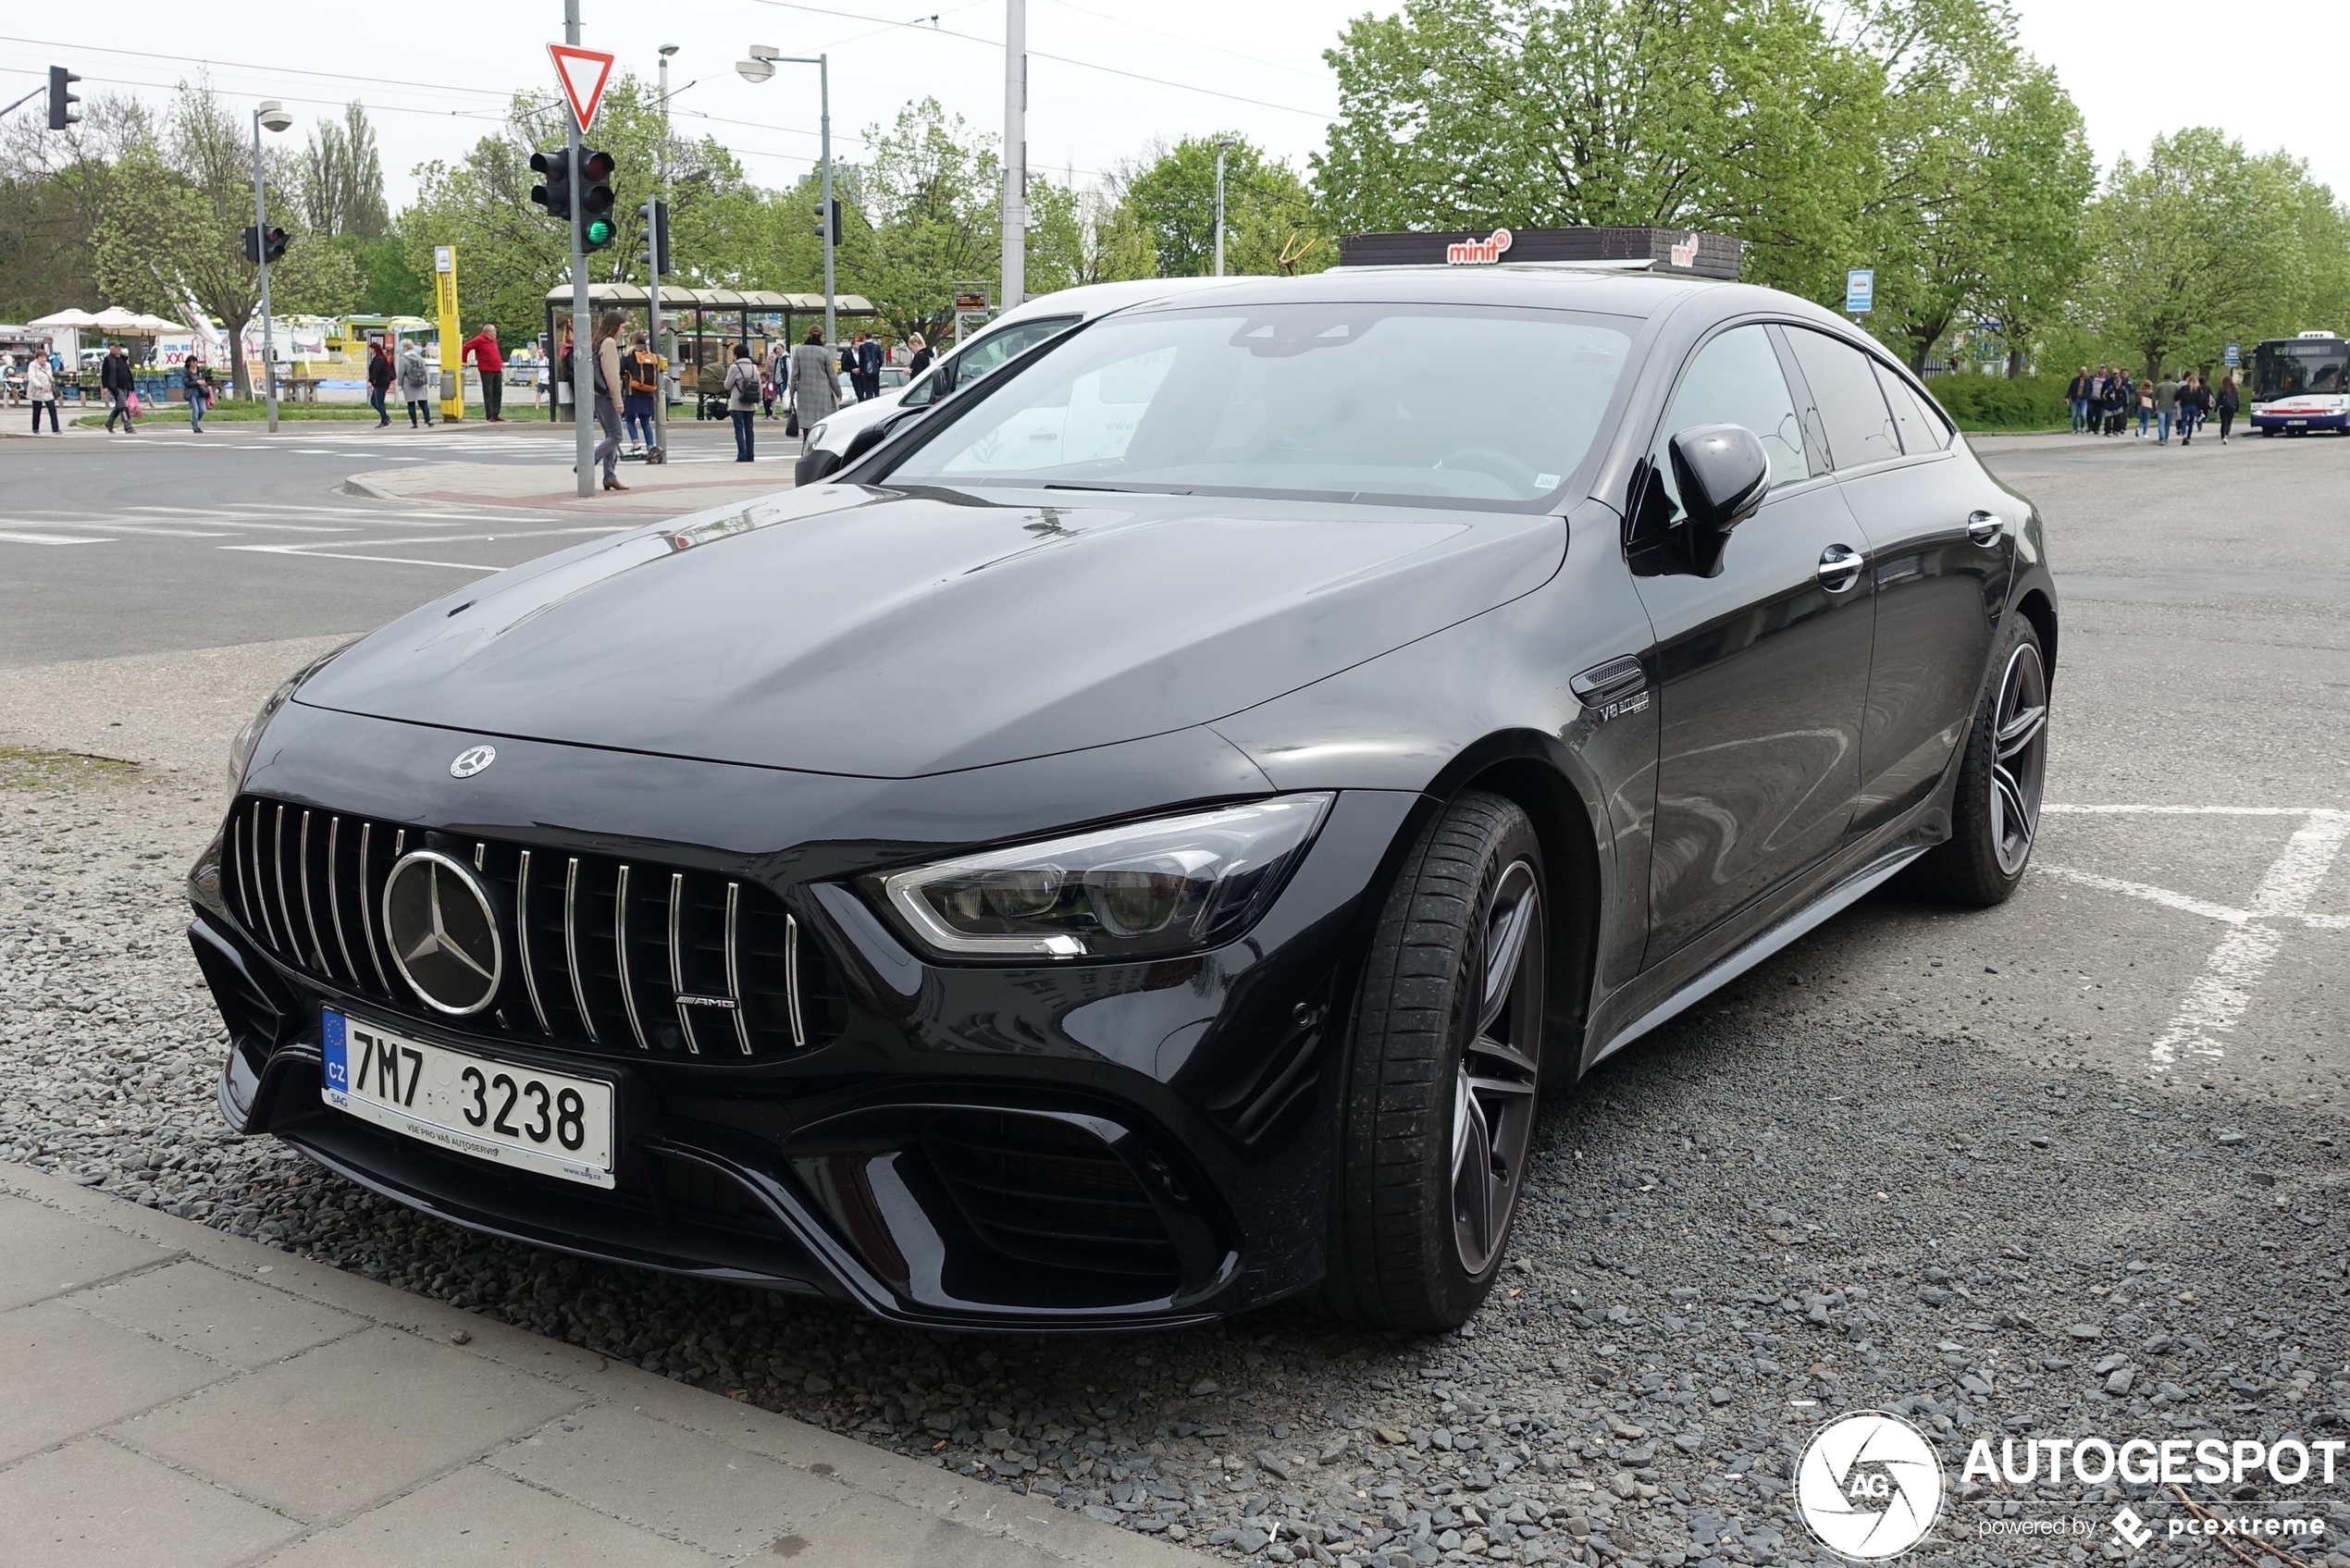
(600, 951)
(1043, 1191)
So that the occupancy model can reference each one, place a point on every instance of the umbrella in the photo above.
(114, 318)
(66, 318)
(157, 325)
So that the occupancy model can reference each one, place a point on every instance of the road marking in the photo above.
(389, 559)
(2216, 999)
(55, 538)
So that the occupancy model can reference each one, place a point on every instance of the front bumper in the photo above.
(1072, 1146)
(2301, 421)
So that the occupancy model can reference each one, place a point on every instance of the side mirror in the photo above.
(876, 433)
(1722, 475)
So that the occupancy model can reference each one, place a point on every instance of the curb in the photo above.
(950, 1501)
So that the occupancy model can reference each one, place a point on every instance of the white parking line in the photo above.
(2216, 998)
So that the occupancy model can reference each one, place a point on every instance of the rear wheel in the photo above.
(1995, 818)
(1443, 1067)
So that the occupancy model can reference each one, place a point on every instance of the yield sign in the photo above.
(584, 73)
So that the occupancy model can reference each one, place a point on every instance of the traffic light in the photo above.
(553, 192)
(273, 244)
(62, 112)
(819, 210)
(655, 215)
(253, 244)
(596, 226)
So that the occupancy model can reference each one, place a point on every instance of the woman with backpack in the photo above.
(640, 374)
(415, 384)
(741, 388)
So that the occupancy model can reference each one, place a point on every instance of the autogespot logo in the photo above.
(1869, 1486)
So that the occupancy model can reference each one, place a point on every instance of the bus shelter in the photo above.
(700, 327)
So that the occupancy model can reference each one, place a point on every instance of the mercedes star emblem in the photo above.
(443, 931)
(472, 761)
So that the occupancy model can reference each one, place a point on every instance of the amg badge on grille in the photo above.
(472, 761)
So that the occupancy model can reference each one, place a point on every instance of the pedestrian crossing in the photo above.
(354, 532)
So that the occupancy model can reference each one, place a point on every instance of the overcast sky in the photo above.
(2263, 74)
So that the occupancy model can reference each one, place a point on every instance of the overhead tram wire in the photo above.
(250, 66)
(286, 97)
(1196, 44)
(1058, 59)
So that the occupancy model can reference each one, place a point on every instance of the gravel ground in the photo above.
(1793, 1205)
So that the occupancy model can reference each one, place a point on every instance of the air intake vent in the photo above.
(1043, 1191)
(625, 956)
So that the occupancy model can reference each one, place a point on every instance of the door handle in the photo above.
(1839, 567)
(1985, 527)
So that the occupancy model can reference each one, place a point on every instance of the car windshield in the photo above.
(2286, 370)
(1423, 404)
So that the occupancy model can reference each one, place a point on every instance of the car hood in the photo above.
(844, 629)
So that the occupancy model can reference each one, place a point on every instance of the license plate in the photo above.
(548, 1122)
(2296, 422)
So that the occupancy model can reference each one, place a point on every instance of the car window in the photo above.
(1844, 388)
(1735, 379)
(1921, 428)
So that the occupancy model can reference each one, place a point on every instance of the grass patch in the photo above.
(27, 767)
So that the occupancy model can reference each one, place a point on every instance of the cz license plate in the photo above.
(548, 1122)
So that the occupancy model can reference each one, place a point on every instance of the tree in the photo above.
(168, 234)
(1742, 117)
(1271, 225)
(510, 255)
(930, 195)
(54, 186)
(339, 180)
(2197, 246)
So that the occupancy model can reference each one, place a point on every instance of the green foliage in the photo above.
(339, 179)
(2004, 402)
(168, 229)
(1270, 224)
(1742, 117)
(2204, 245)
(930, 202)
(388, 285)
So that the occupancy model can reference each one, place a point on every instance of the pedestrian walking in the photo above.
(2146, 406)
(2076, 393)
(607, 396)
(2165, 397)
(2227, 400)
(814, 392)
(741, 388)
(921, 356)
(848, 369)
(490, 360)
(381, 374)
(2193, 398)
(775, 380)
(116, 380)
(195, 382)
(415, 384)
(642, 374)
(40, 390)
(871, 356)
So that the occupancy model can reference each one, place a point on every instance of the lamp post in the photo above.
(652, 266)
(270, 115)
(1222, 145)
(758, 67)
(1014, 202)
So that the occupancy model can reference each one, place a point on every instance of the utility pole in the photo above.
(1014, 202)
(1221, 144)
(653, 258)
(583, 361)
(758, 65)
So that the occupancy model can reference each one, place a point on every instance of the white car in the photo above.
(1011, 334)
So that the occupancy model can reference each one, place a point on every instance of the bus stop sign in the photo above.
(2234, 356)
(1859, 290)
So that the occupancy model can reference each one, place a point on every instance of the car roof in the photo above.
(1089, 299)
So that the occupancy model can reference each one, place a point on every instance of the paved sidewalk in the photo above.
(176, 1396)
(672, 487)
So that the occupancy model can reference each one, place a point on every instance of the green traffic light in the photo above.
(599, 232)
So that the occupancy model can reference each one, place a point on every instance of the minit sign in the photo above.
(1478, 253)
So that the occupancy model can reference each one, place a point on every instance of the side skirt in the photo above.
(1738, 960)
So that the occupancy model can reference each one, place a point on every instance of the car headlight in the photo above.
(241, 748)
(1141, 890)
(815, 438)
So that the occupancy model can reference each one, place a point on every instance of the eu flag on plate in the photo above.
(333, 1030)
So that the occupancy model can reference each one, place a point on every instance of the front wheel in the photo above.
(1995, 818)
(1444, 1066)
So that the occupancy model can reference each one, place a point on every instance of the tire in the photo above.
(1995, 818)
(1411, 1246)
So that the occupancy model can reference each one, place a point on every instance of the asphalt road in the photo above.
(162, 540)
(2067, 1167)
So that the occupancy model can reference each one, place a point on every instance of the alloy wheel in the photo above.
(2019, 758)
(1494, 1089)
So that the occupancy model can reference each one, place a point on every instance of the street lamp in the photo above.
(759, 65)
(271, 115)
(1222, 145)
(653, 260)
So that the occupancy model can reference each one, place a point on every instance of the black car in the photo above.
(1134, 844)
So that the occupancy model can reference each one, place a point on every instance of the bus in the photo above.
(2301, 384)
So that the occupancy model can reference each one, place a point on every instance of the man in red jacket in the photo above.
(482, 349)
